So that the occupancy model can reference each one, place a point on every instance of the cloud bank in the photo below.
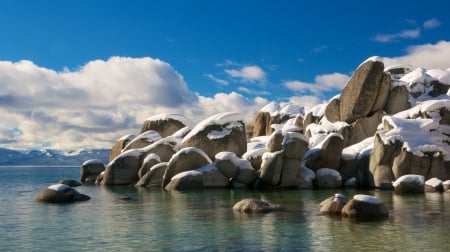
(97, 103)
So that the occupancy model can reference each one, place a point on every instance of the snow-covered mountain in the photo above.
(51, 157)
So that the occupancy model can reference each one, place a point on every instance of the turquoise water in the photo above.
(156, 220)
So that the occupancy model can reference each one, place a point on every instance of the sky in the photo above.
(76, 74)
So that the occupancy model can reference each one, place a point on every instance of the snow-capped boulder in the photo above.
(117, 148)
(186, 159)
(227, 163)
(332, 109)
(294, 145)
(275, 141)
(144, 139)
(221, 132)
(409, 184)
(165, 148)
(153, 177)
(328, 178)
(314, 115)
(366, 92)
(381, 160)
(434, 185)
(423, 84)
(365, 207)
(186, 180)
(256, 206)
(333, 205)
(166, 124)
(60, 193)
(446, 185)
(90, 169)
(246, 175)
(271, 168)
(254, 156)
(326, 154)
(355, 163)
(149, 161)
(212, 177)
(123, 170)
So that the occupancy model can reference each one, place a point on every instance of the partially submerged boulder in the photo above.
(410, 183)
(328, 178)
(60, 193)
(333, 205)
(91, 169)
(123, 170)
(117, 148)
(365, 207)
(434, 185)
(256, 206)
(153, 177)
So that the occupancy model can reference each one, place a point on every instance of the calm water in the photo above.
(154, 220)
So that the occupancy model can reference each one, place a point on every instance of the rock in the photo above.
(90, 168)
(446, 185)
(351, 182)
(409, 184)
(381, 160)
(186, 159)
(313, 116)
(398, 100)
(227, 163)
(365, 92)
(123, 170)
(70, 182)
(332, 110)
(60, 193)
(255, 157)
(306, 177)
(165, 148)
(271, 167)
(186, 180)
(294, 145)
(434, 185)
(212, 177)
(328, 178)
(256, 206)
(363, 128)
(261, 124)
(149, 161)
(290, 177)
(221, 132)
(246, 174)
(408, 163)
(154, 176)
(333, 205)
(365, 207)
(144, 139)
(328, 153)
(165, 124)
(116, 150)
(275, 141)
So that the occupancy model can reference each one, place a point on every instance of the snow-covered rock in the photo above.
(410, 183)
(365, 207)
(166, 124)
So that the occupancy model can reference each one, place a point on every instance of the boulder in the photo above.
(398, 100)
(149, 161)
(290, 177)
(221, 132)
(363, 128)
(227, 163)
(333, 205)
(70, 182)
(91, 168)
(328, 153)
(186, 159)
(261, 124)
(271, 167)
(255, 157)
(186, 180)
(60, 193)
(154, 176)
(246, 174)
(256, 206)
(165, 148)
(117, 148)
(275, 141)
(123, 170)
(365, 207)
(381, 160)
(165, 124)
(434, 185)
(332, 110)
(446, 185)
(294, 145)
(144, 139)
(408, 184)
(306, 177)
(212, 177)
(328, 178)
(365, 92)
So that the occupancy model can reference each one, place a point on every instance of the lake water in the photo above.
(157, 220)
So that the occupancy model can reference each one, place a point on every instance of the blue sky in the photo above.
(227, 55)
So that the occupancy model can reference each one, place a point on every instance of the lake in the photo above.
(203, 220)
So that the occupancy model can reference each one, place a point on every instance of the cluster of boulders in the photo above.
(386, 123)
(360, 207)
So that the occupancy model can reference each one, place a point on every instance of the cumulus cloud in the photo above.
(427, 56)
(96, 104)
(216, 79)
(322, 83)
(247, 73)
(431, 23)
(404, 34)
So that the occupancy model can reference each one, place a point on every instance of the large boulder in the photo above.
(271, 168)
(333, 205)
(398, 100)
(290, 177)
(165, 148)
(91, 169)
(212, 177)
(149, 161)
(255, 157)
(275, 141)
(153, 177)
(381, 160)
(60, 193)
(144, 139)
(326, 154)
(366, 91)
(117, 148)
(294, 145)
(410, 183)
(221, 132)
(365, 207)
(256, 206)
(165, 124)
(186, 159)
(227, 163)
(261, 124)
(363, 128)
(332, 110)
(328, 178)
(246, 175)
(306, 177)
(186, 180)
(123, 170)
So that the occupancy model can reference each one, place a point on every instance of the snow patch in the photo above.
(219, 134)
(59, 187)
(367, 198)
(177, 117)
(149, 136)
(433, 182)
(219, 119)
(92, 161)
(188, 150)
(328, 172)
(186, 174)
(128, 137)
(227, 155)
(411, 178)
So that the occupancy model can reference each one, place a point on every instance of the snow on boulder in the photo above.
(149, 161)
(365, 207)
(410, 183)
(220, 132)
(119, 145)
(446, 185)
(434, 185)
(328, 178)
(186, 180)
(166, 124)
(246, 175)
(164, 148)
(294, 145)
(60, 193)
(90, 169)
(423, 84)
(333, 205)
(144, 139)
(227, 163)
(212, 177)
(154, 176)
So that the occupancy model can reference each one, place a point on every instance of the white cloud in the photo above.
(431, 23)
(322, 83)
(427, 56)
(216, 79)
(404, 34)
(97, 103)
(253, 91)
(247, 73)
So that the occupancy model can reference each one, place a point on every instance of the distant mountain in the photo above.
(51, 157)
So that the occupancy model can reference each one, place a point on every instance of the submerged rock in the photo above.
(60, 193)
(256, 206)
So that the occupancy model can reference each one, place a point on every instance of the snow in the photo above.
(92, 161)
(433, 182)
(290, 109)
(227, 155)
(430, 108)
(219, 119)
(128, 137)
(339, 196)
(411, 178)
(182, 132)
(321, 131)
(149, 136)
(186, 174)
(152, 156)
(318, 110)
(59, 187)
(351, 181)
(174, 142)
(254, 153)
(442, 76)
(257, 143)
(187, 150)
(245, 164)
(177, 117)
(352, 151)
(367, 198)
(328, 172)
(273, 108)
(290, 136)
(321, 143)
(447, 182)
(219, 134)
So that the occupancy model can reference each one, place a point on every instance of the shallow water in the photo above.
(156, 220)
